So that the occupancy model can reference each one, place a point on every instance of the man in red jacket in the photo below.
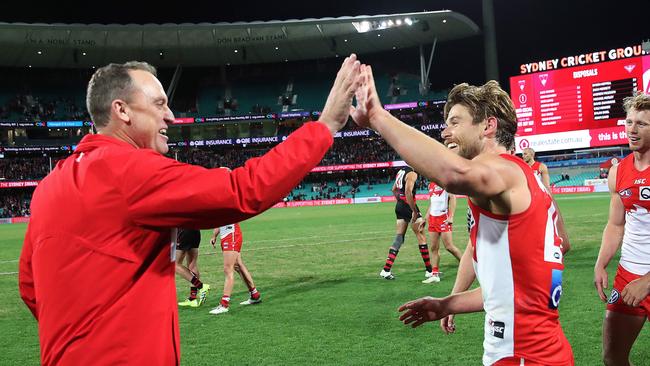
(97, 265)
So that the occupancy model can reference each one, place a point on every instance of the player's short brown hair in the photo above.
(109, 83)
(487, 100)
(639, 101)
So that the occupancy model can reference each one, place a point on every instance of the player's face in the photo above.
(527, 155)
(149, 113)
(637, 127)
(462, 135)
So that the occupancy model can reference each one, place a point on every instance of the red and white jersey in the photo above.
(535, 167)
(438, 200)
(518, 262)
(633, 187)
(230, 231)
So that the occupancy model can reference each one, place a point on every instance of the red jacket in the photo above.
(96, 267)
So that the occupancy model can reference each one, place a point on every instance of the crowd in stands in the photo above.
(359, 151)
(24, 168)
(15, 202)
(34, 108)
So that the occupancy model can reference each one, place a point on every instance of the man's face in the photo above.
(528, 155)
(637, 127)
(148, 112)
(461, 135)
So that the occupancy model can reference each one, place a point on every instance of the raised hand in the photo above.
(337, 108)
(368, 102)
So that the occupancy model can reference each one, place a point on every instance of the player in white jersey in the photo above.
(440, 216)
(517, 255)
(628, 227)
(231, 243)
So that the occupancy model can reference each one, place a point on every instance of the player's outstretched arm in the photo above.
(477, 178)
(612, 236)
(427, 309)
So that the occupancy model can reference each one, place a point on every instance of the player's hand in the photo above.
(636, 291)
(213, 241)
(601, 282)
(447, 324)
(337, 108)
(367, 99)
(420, 311)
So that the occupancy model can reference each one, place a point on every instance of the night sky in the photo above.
(527, 30)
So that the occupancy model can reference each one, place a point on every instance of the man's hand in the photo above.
(601, 282)
(423, 310)
(337, 108)
(368, 102)
(636, 291)
(447, 324)
(213, 241)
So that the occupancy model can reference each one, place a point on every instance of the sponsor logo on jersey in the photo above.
(644, 193)
(613, 297)
(496, 329)
(640, 181)
(626, 193)
(556, 289)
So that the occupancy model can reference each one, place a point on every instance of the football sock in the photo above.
(424, 252)
(254, 294)
(392, 254)
(193, 291)
(196, 282)
(225, 301)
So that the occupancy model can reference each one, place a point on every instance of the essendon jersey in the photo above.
(439, 200)
(518, 262)
(400, 181)
(633, 188)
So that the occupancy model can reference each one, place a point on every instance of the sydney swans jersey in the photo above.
(535, 168)
(232, 231)
(439, 200)
(633, 188)
(518, 262)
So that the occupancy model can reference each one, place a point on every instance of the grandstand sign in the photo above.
(21, 184)
(581, 106)
(582, 59)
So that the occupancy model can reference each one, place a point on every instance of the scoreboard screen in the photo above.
(576, 107)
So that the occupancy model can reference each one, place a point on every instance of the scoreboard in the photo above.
(576, 107)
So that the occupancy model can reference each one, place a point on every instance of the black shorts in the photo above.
(188, 239)
(403, 211)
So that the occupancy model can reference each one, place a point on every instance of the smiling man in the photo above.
(517, 256)
(628, 228)
(97, 265)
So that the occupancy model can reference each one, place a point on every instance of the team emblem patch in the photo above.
(626, 193)
(614, 296)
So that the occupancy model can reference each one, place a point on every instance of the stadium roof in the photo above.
(206, 44)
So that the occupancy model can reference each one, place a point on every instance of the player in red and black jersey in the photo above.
(406, 211)
(187, 247)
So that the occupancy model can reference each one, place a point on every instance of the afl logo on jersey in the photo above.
(626, 193)
(644, 193)
(613, 297)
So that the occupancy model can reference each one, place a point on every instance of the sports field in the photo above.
(323, 301)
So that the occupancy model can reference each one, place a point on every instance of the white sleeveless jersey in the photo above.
(439, 200)
(226, 230)
(633, 188)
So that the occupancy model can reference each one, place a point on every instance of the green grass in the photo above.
(317, 269)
